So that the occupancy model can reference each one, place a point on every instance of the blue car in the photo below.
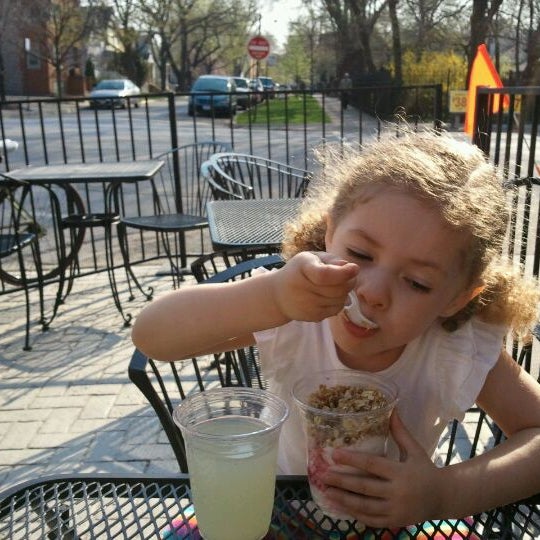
(213, 95)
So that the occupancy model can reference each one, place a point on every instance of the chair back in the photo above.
(165, 384)
(243, 176)
(523, 242)
(17, 231)
(179, 185)
(177, 188)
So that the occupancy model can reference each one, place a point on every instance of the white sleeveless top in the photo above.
(439, 376)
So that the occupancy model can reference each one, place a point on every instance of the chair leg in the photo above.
(73, 266)
(130, 275)
(27, 346)
(60, 296)
(112, 278)
(176, 269)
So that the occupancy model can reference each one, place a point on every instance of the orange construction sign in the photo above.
(483, 73)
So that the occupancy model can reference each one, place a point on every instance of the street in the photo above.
(83, 134)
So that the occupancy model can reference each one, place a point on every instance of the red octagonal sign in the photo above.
(258, 47)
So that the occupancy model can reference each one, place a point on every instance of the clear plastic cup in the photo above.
(231, 437)
(328, 428)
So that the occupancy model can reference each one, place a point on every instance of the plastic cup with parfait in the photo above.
(231, 437)
(342, 408)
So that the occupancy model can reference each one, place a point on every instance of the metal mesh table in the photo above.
(88, 507)
(107, 178)
(250, 222)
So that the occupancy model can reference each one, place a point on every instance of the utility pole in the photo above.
(257, 69)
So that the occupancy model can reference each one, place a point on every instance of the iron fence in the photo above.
(70, 130)
(509, 138)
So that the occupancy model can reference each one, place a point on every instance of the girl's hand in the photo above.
(386, 493)
(313, 286)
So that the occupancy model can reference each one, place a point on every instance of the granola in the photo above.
(348, 428)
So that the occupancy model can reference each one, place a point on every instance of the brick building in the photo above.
(26, 32)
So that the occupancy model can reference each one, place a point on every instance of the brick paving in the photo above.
(67, 406)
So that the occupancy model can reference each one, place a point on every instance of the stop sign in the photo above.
(258, 47)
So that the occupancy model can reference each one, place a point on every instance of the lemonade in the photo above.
(241, 479)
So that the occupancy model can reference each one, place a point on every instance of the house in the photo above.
(28, 29)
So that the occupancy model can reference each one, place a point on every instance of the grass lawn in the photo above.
(276, 111)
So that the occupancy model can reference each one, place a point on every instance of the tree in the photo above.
(304, 58)
(446, 67)
(123, 34)
(295, 65)
(431, 22)
(194, 36)
(355, 22)
(527, 41)
(482, 19)
(61, 27)
(166, 26)
(396, 40)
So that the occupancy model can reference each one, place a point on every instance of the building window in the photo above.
(32, 61)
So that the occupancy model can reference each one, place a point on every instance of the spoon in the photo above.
(352, 308)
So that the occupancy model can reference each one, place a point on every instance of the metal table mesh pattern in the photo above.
(250, 223)
(80, 508)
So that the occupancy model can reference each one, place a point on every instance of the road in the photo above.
(105, 135)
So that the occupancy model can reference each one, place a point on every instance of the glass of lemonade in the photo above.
(231, 437)
(342, 408)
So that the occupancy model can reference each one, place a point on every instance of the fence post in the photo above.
(437, 113)
(174, 144)
(481, 131)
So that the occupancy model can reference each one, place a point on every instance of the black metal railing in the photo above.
(70, 130)
(509, 138)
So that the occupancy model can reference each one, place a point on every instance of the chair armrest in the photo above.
(138, 375)
(245, 267)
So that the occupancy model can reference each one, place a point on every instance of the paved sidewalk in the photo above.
(67, 406)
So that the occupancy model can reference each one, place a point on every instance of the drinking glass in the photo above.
(231, 437)
(362, 428)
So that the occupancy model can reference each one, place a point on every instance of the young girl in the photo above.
(415, 227)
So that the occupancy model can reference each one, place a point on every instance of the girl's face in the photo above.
(411, 273)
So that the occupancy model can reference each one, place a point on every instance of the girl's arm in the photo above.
(386, 493)
(511, 470)
(218, 317)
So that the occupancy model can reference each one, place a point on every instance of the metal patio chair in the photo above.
(164, 384)
(24, 265)
(174, 204)
(13, 240)
(230, 265)
(243, 176)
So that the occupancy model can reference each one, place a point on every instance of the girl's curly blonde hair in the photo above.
(450, 175)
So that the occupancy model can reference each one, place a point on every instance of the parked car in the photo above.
(268, 85)
(213, 94)
(244, 98)
(113, 93)
(257, 88)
